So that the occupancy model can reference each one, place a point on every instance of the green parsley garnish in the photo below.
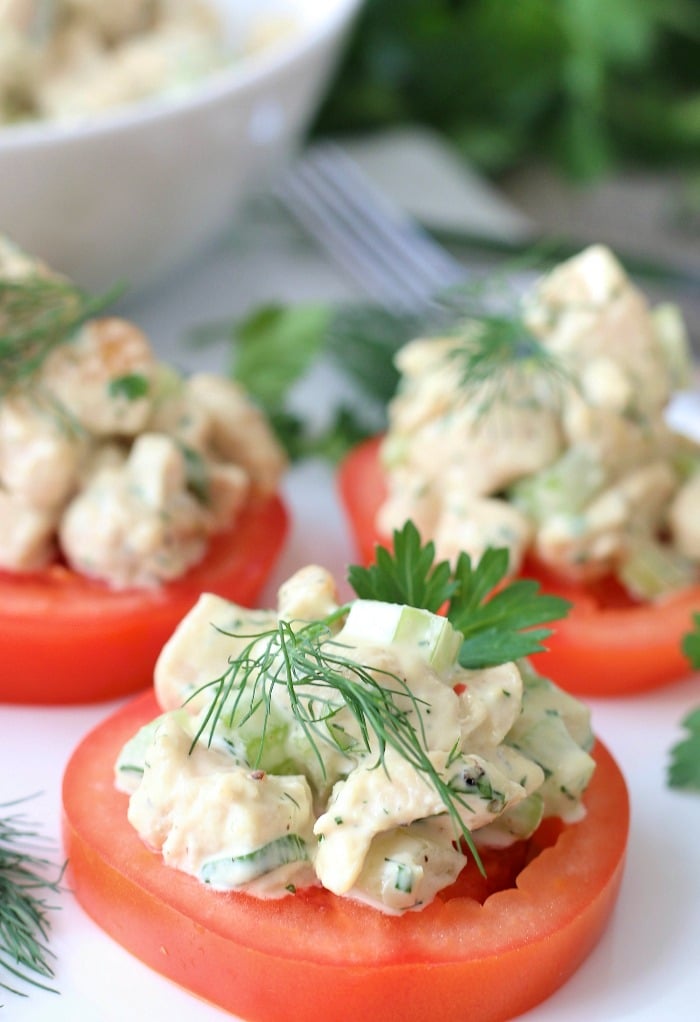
(498, 624)
(24, 911)
(132, 386)
(684, 768)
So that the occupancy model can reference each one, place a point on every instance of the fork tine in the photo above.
(418, 250)
(337, 235)
(389, 255)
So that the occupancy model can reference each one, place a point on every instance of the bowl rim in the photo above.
(239, 77)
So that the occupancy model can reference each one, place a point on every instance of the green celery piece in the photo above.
(564, 487)
(381, 623)
(233, 871)
(652, 569)
(132, 756)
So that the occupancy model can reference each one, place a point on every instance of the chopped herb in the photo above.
(196, 473)
(132, 386)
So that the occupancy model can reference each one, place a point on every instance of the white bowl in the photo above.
(132, 193)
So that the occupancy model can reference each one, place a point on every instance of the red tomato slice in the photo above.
(68, 639)
(606, 646)
(289, 960)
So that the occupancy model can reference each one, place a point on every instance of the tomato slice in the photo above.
(608, 645)
(70, 639)
(293, 958)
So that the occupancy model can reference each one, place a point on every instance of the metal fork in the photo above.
(385, 251)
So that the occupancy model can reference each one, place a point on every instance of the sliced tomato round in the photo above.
(69, 639)
(608, 645)
(288, 960)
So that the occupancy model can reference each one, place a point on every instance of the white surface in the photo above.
(128, 195)
(646, 967)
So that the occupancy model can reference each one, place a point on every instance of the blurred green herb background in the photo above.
(586, 85)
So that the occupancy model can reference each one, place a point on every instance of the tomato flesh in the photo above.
(70, 639)
(288, 960)
(608, 645)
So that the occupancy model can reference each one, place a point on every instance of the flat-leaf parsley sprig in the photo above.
(320, 679)
(499, 622)
(684, 768)
(25, 880)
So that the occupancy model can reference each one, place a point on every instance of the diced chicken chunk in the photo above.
(144, 527)
(105, 377)
(239, 431)
(41, 452)
(26, 534)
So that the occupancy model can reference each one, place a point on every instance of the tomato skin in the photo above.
(606, 646)
(67, 639)
(288, 960)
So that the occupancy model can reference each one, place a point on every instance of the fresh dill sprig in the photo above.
(499, 623)
(320, 681)
(499, 356)
(25, 878)
(502, 360)
(38, 313)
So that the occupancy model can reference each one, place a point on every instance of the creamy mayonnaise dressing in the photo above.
(580, 468)
(116, 463)
(261, 804)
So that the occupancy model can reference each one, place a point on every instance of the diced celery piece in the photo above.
(653, 569)
(565, 487)
(384, 624)
(234, 871)
(541, 697)
(567, 768)
(515, 823)
(131, 759)
(405, 867)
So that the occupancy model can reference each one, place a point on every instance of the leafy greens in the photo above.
(499, 622)
(684, 768)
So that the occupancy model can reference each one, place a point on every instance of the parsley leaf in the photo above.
(498, 624)
(131, 386)
(498, 621)
(276, 345)
(684, 770)
(408, 575)
(691, 643)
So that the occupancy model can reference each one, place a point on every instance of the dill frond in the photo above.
(25, 880)
(38, 313)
